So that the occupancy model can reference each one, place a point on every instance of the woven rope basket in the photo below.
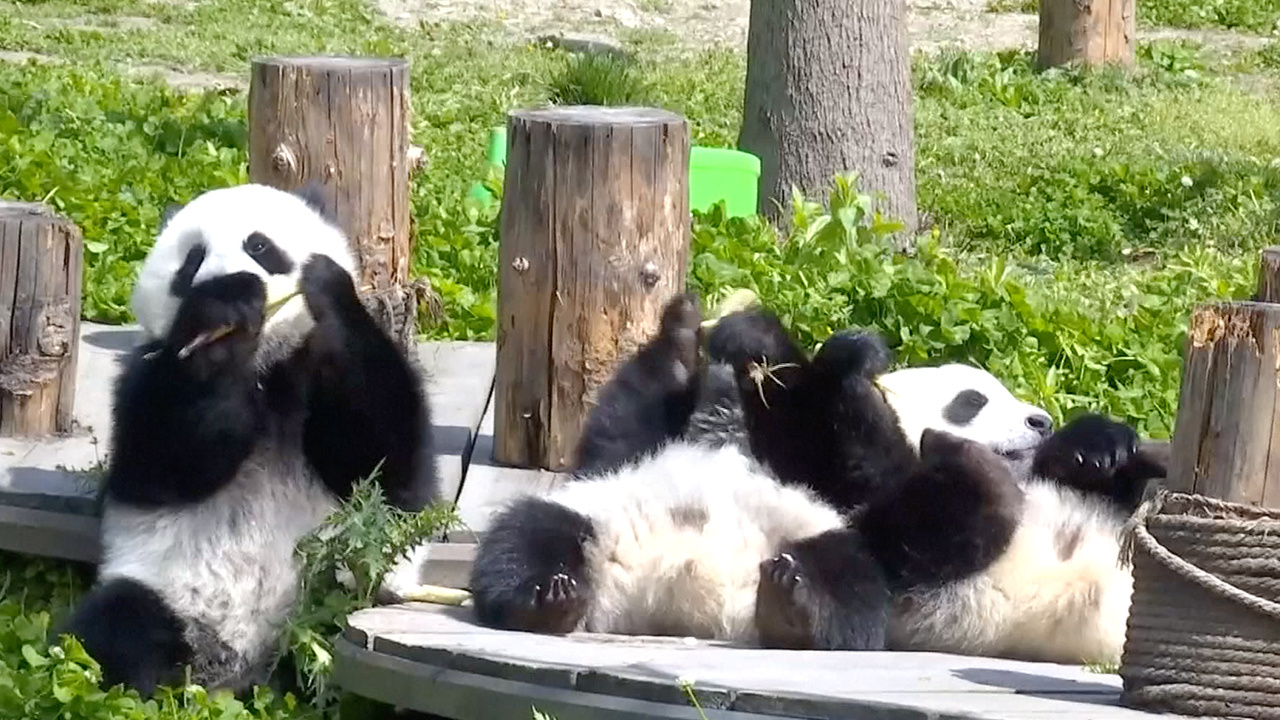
(1204, 625)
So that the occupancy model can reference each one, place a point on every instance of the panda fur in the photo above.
(222, 460)
(805, 507)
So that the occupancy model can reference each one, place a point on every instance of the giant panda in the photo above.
(773, 499)
(261, 392)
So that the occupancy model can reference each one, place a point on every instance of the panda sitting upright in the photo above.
(819, 522)
(262, 392)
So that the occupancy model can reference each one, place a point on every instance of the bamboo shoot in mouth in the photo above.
(278, 294)
(211, 336)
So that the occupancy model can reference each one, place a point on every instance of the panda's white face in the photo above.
(968, 402)
(247, 228)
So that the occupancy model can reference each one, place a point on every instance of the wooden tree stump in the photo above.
(595, 240)
(1269, 276)
(343, 123)
(1092, 32)
(41, 256)
(1225, 440)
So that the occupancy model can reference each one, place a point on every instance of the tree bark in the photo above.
(41, 258)
(1092, 33)
(595, 240)
(343, 123)
(828, 91)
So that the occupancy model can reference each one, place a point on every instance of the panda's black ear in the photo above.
(313, 194)
(169, 211)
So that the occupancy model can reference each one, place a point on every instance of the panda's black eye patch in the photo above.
(267, 254)
(181, 282)
(964, 407)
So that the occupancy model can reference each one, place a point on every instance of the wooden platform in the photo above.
(435, 659)
(48, 488)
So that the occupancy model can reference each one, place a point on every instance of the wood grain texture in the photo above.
(1269, 276)
(343, 122)
(41, 258)
(595, 240)
(1092, 33)
(1223, 441)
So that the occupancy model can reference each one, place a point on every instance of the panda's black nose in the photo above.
(1042, 424)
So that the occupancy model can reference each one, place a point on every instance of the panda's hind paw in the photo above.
(558, 605)
(784, 609)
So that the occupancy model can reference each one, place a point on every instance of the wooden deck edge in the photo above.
(44, 533)
(463, 695)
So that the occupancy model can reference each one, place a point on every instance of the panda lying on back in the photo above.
(263, 391)
(941, 514)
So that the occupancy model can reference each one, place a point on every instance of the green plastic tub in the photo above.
(715, 174)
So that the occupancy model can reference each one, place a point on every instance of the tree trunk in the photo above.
(595, 241)
(41, 256)
(828, 92)
(1092, 33)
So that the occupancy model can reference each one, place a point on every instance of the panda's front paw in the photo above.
(861, 353)
(1087, 452)
(784, 608)
(327, 288)
(218, 323)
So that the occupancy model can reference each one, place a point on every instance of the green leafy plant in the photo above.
(361, 541)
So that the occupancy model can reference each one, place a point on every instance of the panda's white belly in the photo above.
(228, 562)
(1058, 594)
(679, 540)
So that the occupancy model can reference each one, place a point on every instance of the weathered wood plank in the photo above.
(459, 377)
(488, 484)
(595, 240)
(443, 643)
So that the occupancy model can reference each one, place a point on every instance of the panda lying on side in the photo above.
(834, 517)
(239, 424)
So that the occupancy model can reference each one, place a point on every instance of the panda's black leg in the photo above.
(132, 633)
(949, 519)
(824, 592)
(1100, 456)
(771, 372)
(651, 396)
(530, 569)
(187, 410)
(869, 451)
(366, 410)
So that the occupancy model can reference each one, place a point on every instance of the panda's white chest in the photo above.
(228, 562)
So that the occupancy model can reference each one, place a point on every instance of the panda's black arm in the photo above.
(1097, 455)
(650, 397)
(365, 409)
(182, 426)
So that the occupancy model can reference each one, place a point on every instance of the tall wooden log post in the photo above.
(1094, 32)
(343, 122)
(1226, 442)
(594, 241)
(41, 257)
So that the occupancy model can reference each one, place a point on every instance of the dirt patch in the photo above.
(931, 23)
